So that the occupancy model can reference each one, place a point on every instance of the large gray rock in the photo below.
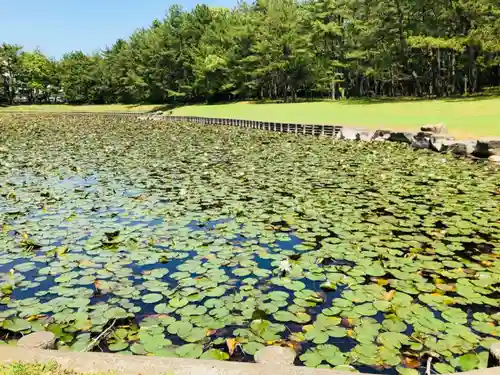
(494, 158)
(463, 148)
(440, 143)
(422, 141)
(495, 151)
(487, 147)
(403, 137)
(381, 135)
(276, 355)
(436, 129)
(38, 340)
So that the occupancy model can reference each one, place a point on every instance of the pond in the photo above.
(212, 242)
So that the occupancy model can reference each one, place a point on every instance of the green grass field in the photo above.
(467, 117)
(464, 118)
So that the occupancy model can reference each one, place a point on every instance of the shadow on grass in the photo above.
(449, 99)
(163, 107)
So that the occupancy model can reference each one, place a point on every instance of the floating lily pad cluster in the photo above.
(213, 242)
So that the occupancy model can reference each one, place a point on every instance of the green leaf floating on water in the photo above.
(454, 315)
(118, 346)
(138, 349)
(443, 368)
(196, 334)
(469, 362)
(312, 358)
(178, 302)
(394, 325)
(215, 354)
(393, 339)
(180, 327)
(317, 336)
(190, 351)
(252, 347)
(115, 313)
(16, 325)
(152, 298)
(407, 371)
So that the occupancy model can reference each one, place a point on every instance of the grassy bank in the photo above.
(466, 117)
(463, 117)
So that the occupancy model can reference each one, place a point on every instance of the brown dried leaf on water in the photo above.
(446, 287)
(381, 282)
(211, 332)
(388, 296)
(102, 285)
(291, 344)
(411, 362)
(347, 322)
(231, 345)
(297, 337)
(36, 317)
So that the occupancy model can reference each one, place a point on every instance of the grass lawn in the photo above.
(473, 117)
(465, 117)
(83, 108)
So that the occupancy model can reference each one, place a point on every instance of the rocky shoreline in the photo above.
(433, 137)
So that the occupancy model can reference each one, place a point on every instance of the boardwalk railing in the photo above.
(282, 127)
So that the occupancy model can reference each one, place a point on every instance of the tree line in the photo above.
(277, 49)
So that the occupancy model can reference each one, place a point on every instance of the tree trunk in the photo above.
(472, 68)
(439, 88)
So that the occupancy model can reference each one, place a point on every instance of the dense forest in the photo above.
(277, 49)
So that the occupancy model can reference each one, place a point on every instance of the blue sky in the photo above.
(59, 26)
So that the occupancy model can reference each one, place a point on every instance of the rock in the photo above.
(403, 137)
(425, 134)
(487, 147)
(275, 355)
(494, 357)
(495, 151)
(440, 143)
(421, 143)
(348, 134)
(381, 135)
(356, 134)
(463, 148)
(38, 340)
(366, 135)
(436, 129)
(494, 158)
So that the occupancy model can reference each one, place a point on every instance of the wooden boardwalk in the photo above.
(281, 127)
